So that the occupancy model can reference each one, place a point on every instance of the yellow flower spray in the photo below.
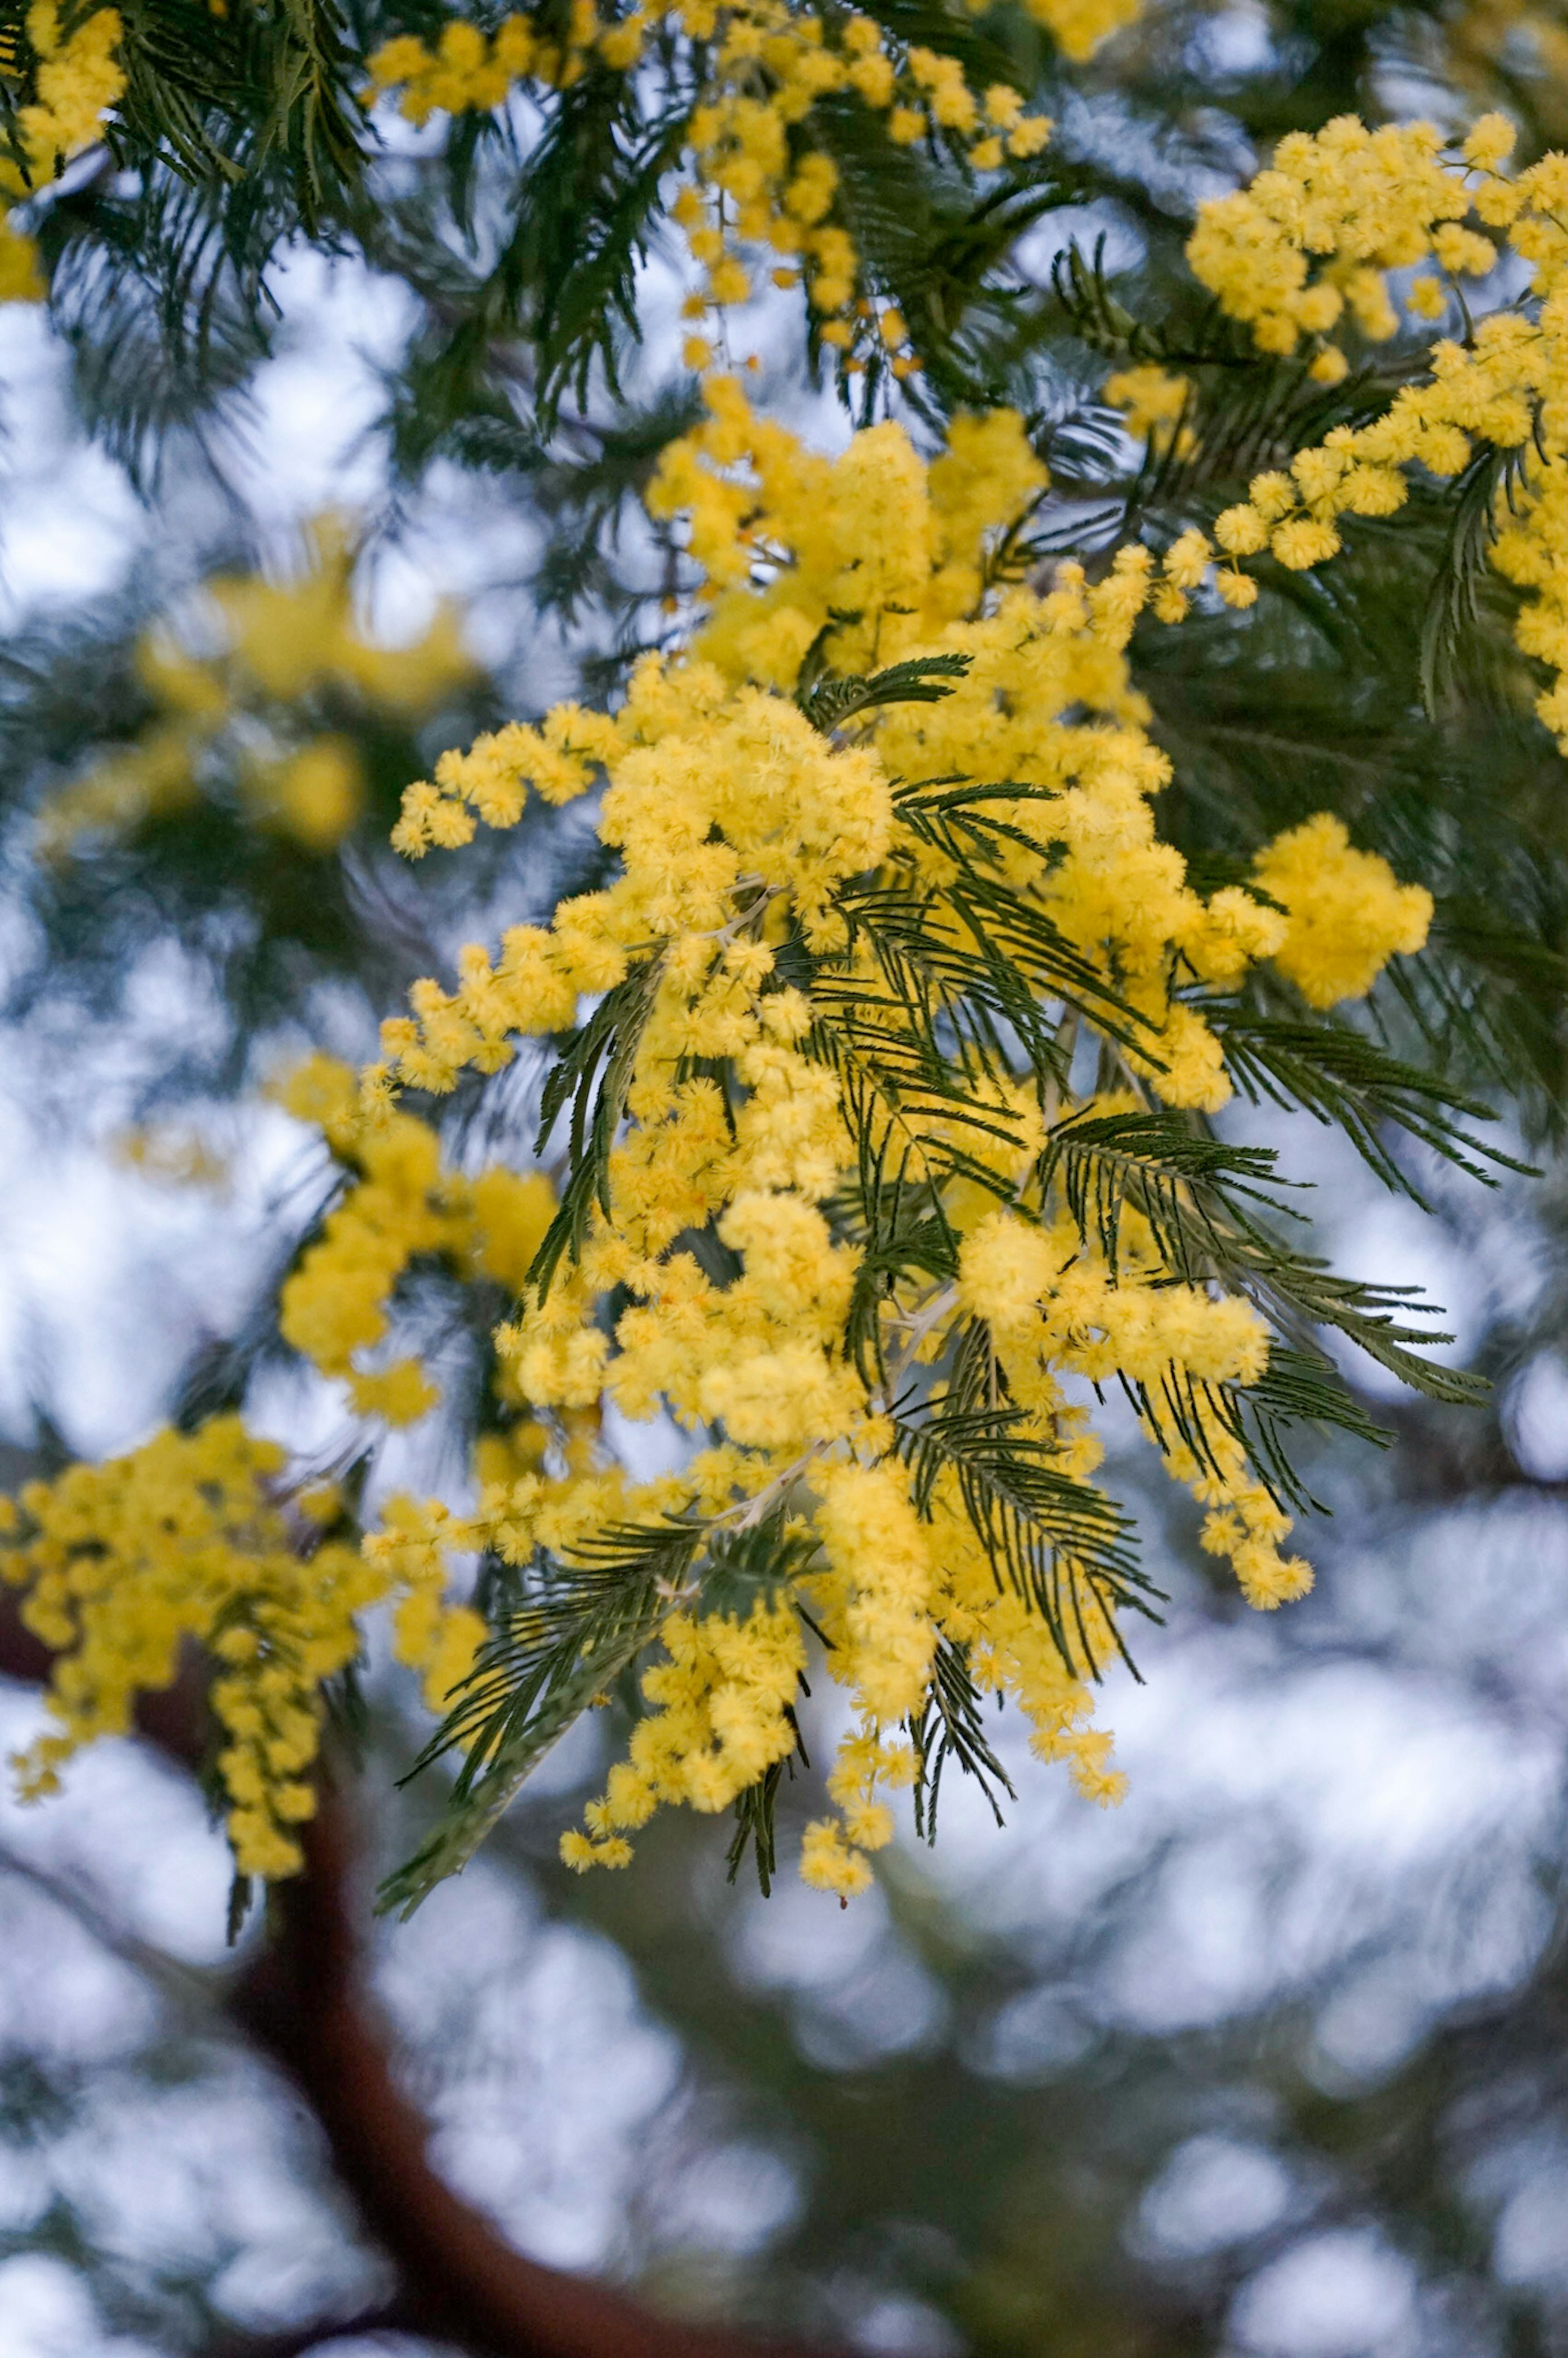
(770, 1052)
(756, 195)
(874, 1106)
(1304, 252)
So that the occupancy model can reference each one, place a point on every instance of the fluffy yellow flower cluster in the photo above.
(77, 81)
(1346, 912)
(198, 1537)
(1151, 400)
(820, 920)
(193, 1538)
(257, 696)
(721, 1718)
(336, 1303)
(1371, 201)
(757, 184)
(1363, 201)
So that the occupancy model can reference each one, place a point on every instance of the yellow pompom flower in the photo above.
(1348, 913)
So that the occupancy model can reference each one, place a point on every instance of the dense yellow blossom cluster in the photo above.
(254, 695)
(722, 1716)
(192, 1539)
(1371, 201)
(1304, 247)
(1344, 917)
(756, 185)
(401, 1205)
(768, 1049)
(77, 81)
(200, 1538)
(1152, 400)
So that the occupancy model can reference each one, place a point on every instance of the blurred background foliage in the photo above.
(1273, 2062)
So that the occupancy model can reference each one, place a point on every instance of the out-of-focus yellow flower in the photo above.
(247, 717)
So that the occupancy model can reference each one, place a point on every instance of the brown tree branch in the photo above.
(306, 2005)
